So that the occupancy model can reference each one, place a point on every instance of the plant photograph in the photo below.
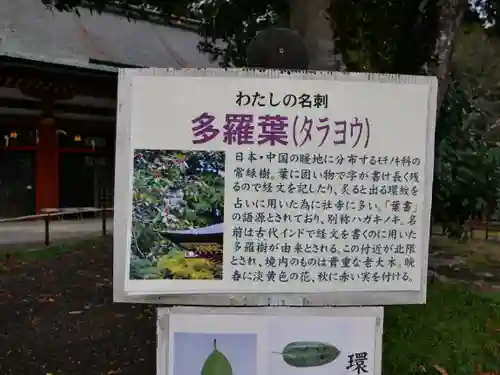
(178, 215)
(214, 353)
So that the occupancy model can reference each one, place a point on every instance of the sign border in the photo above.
(124, 164)
(163, 321)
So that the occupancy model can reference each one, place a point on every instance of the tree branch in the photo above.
(450, 18)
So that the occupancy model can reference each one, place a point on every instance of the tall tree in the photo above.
(477, 57)
(383, 36)
(397, 36)
(313, 22)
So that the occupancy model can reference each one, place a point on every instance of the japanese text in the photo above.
(344, 219)
(274, 129)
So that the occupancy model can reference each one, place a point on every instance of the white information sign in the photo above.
(267, 341)
(254, 184)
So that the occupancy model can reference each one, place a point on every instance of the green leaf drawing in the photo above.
(309, 353)
(216, 363)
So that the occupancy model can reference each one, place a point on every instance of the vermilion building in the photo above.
(58, 79)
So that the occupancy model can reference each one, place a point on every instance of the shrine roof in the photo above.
(105, 41)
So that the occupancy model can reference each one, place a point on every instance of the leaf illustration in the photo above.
(309, 353)
(216, 363)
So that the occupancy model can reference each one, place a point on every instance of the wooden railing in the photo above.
(487, 226)
(489, 229)
(54, 214)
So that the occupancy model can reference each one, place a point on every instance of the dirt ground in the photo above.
(57, 317)
(474, 260)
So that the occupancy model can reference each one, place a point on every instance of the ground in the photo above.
(476, 260)
(19, 235)
(57, 317)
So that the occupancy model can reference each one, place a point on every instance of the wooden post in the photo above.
(47, 229)
(103, 216)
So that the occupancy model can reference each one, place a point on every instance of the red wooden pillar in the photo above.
(47, 166)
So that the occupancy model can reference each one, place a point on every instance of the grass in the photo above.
(458, 329)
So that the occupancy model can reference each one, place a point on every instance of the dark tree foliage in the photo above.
(386, 36)
(467, 167)
(398, 38)
(395, 36)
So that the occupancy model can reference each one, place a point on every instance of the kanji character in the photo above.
(204, 129)
(273, 130)
(321, 101)
(238, 128)
(305, 101)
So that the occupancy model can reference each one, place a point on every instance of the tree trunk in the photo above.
(311, 20)
(450, 19)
